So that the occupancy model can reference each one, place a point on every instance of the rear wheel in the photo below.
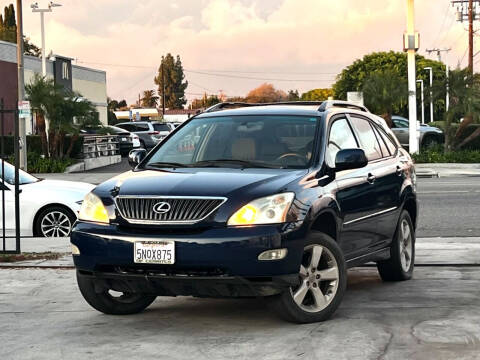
(402, 252)
(112, 302)
(322, 283)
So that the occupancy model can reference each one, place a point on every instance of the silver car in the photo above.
(149, 132)
(429, 135)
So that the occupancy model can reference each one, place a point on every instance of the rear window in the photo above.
(161, 127)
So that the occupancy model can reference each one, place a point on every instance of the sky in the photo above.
(236, 45)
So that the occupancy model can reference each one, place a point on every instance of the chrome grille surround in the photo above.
(138, 209)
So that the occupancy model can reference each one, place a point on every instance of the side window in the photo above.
(368, 140)
(381, 141)
(399, 123)
(340, 137)
(127, 127)
(392, 147)
(142, 127)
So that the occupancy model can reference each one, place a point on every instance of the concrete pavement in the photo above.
(434, 316)
(447, 170)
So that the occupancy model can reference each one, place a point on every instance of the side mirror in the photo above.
(348, 159)
(135, 157)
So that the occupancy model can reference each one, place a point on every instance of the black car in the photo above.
(273, 200)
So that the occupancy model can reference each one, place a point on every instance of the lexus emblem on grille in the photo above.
(161, 208)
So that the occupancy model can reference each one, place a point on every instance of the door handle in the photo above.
(399, 171)
(371, 178)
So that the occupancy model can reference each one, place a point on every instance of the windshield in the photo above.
(24, 177)
(245, 141)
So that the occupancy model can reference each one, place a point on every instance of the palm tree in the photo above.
(384, 91)
(39, 92)
(464, 94)
(149, 99)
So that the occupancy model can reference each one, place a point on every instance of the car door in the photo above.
(384, 173)
(354, 194)
(400, 129)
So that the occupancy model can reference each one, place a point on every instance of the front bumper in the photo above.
(210, 262)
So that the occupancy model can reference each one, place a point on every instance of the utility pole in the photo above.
(21, 87)
(422, 99)
(411, 45)
(466, 10)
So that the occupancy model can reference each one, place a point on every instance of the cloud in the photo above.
(295, 36)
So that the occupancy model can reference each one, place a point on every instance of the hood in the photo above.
(60, 186)
(202, 182)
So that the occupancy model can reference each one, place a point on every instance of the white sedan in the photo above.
(48, 208)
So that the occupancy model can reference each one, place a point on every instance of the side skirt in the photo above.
(382, 254)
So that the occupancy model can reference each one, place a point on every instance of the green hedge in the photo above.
(437, 155)
(38, 164)
(34, 145)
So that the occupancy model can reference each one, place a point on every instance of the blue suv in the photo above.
(246, 200)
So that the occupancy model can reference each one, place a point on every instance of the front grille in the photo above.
(181, 210)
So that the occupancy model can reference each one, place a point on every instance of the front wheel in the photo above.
(402, 252)
(54, 221)
(322, 283)
(112, 302)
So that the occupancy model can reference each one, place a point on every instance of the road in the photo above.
(449, 207)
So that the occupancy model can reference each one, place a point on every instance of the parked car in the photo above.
(274, 201)
(48, 208)
(126, 140)
(149, 132)
(429, 135)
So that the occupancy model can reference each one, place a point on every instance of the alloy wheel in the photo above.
(319, 277)
(56, 224)
(406, 245)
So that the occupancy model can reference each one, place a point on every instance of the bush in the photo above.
(472, 145)
(34, 145)
(437, 155)
(38, 164)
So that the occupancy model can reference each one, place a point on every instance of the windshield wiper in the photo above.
(161, 164)
(243, 163)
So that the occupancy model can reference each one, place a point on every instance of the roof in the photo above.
(302, 110)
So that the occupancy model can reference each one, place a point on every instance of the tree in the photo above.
(464, 92)
(265, 93)
(60, 106)
(385, 90)
(170, 79)
(352, 78)
(317, 95)
(30, 48)
(205, 102)
(122, 105)
(149, 99)
(293, 95)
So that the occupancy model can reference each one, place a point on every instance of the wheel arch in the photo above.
(46, 206)
(411, 206)
(327, 222)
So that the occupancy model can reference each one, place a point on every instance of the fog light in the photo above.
(276, 254)
(75, 250)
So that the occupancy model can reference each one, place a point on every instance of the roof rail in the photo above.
(341, 104)
(233, 105)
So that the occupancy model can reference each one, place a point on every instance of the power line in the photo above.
(443, 24)
(254, 78)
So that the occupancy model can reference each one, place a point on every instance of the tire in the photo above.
(54, 221)
(402, 252)
(105, 302)
(317, 297)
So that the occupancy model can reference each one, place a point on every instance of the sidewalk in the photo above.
(447, 170)
(429, 251)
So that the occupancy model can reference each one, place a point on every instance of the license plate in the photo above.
(154, 252)
(123, 139)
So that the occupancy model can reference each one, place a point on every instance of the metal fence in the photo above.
(97, 146)
(9, 188)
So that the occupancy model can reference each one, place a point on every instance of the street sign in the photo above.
(24, 109)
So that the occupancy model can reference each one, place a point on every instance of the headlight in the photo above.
(267, 210)
(93, 209)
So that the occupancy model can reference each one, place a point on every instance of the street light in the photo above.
(42, 11)
(421, 97)
(429, 68)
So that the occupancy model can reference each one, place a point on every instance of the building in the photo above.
(90, 83)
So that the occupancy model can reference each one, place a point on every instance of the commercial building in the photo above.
(173, 115)
(90, 83)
